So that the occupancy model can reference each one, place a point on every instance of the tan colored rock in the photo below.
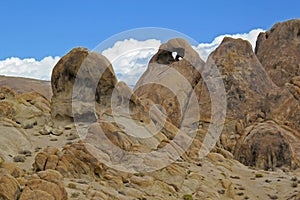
(246, 84)
(29, 194)
(169, 81)
(9, 187)
(269, 146)
(52, 162)
(48, 184)
(73, 161)
(85, 66)
(40, 161)
(27, 109)
(278, 51)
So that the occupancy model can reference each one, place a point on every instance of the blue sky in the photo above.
(42, 28)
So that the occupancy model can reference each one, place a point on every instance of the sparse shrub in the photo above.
(72, 185)
(259, 175)
(187, 197)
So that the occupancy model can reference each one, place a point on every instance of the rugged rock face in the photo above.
(170, 78)
(27, 109)
(269, 146)
(45, 185)
(86, 68)
(9, 187)
(73, 161)
(279, 51)
(245, 79)
(246, 84)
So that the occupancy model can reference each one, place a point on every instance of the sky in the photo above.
(34, 35)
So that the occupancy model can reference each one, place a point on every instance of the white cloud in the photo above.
(29, 67)
(204, 49)
(129, 58)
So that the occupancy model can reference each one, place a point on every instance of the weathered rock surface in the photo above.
(246, 84)
(45, 185)
(86, 68)
(73, 161)
(278, 50)
(27, 109)
(269, 146)
(170, 78)
(9, 187)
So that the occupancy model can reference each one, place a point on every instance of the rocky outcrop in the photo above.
(269, 146)
(90, 74)
(170, 78)
(73, 161)
(278, 51)
(44, 185)
(27, 109)
(9, 187)
(246, 84)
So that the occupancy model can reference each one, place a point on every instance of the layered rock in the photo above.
(44, 185)
(73, 161)
(84, 77)
(278, 50)
(9, 187)
(28, 109)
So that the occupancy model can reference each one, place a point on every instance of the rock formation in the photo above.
(158, 82)
(269, 146)
(95, 80)
(146, 143)
(278, 51)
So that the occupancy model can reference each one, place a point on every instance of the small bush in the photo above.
(72, 185)
(259, 175)
(187, 197)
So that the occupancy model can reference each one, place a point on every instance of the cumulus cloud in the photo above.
(204, 49)
(128, 57)
(29, 67)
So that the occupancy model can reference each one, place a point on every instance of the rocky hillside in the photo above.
(227, 128)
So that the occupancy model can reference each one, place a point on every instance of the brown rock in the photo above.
(40, 161)
(246, 84)
(169, 81)
(29, 194)
(52, 162)
(27, 109)
(73, 161)
(48, 185)
(9, 187)
(84, 66)
(268, 146)
(278, 51)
